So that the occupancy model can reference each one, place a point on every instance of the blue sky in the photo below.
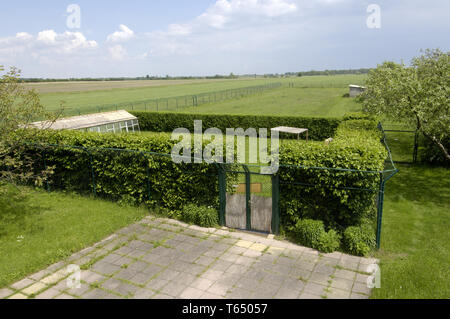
(207, 37)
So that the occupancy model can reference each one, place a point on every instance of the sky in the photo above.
(78, 38)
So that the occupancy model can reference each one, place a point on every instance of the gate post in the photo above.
(276, 204)
(222, 194)
(248, 223)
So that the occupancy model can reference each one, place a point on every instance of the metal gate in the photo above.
(249, 199)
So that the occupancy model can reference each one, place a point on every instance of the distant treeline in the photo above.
(217, 76)
(329, 72)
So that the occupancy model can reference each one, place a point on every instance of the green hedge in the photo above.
(122, 176)
(336, 197)
(319, 128)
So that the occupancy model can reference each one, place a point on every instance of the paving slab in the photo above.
(162, 258)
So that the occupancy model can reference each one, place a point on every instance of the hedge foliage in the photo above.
(338, 198)
(122, 175)
(319, 128)
(200, 215)
(312, 233)
(359, 240)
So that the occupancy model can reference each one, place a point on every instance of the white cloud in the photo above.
(66, 42)
(45, 45)
(223, 11)
(124, 34)
(117, 52)
(179, 29)
(47, 36)
(24, 36)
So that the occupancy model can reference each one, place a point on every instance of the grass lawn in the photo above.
(64, 225)
(415, 250)
(313, 102)
(415, 247)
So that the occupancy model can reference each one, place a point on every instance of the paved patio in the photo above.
(163, 258)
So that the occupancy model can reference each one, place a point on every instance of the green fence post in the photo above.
(147, 168)
(416, 146)
(94, 191)
(247, 198)
(222, 194)
(380, 210)
(275, 204)
(45, 168)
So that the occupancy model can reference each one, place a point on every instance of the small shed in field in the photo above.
(356, 90)
(115, 122)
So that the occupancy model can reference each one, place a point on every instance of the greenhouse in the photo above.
(114, 122)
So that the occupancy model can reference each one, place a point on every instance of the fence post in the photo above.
(416, 146)
(94, 191)
(222, 194)
(147, 168)
(45, 168)
(380, 209)
(276, 204)
(247, 198)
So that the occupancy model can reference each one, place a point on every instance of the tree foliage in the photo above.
(417, 95)
(18, 108)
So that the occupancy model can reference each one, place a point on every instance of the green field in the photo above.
(314, 102)
(314, 94)
(88, 99)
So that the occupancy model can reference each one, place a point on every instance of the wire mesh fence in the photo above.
(175, 103)
(404, 143)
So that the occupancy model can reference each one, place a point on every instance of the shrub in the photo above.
(200, 215)
(359, 240)
(312, 233)
(333, 196)
(329, 241)
(319, 128)
(307, 231)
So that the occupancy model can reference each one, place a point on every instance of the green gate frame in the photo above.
(275, 224)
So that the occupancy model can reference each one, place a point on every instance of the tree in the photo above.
(417, 95)
(18, 108)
